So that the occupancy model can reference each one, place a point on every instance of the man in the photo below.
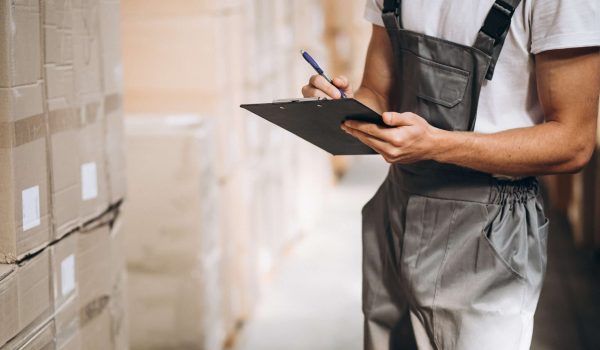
(480, 97)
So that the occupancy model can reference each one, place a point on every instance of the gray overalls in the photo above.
(454, 256)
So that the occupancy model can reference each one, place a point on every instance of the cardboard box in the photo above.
(112, 87)
(94, 273)
(115, 148)
(183, 58)
(239, 243)
(24, 206)
(118, 299)
(63, 118)
(174, 225)
(65, 169)
(94, 195)
(63, 256)
(96, 325)
(86, 47)
(173, 249)
(93, 266)
(24, 295)
(38, 338)
(175, 310)
(110, 39)
(20, 62)
(118, 313)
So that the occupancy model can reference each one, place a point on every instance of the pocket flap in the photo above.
(439, 83)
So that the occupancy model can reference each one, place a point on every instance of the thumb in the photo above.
(397, 119)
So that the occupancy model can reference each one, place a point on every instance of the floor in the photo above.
(313, 301)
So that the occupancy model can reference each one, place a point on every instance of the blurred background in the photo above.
(160, 215)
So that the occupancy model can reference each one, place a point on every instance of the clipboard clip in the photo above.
(290, 100)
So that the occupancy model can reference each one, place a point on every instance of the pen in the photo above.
(315, 65)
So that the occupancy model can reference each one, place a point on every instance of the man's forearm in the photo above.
(371, 99)
(544, 149)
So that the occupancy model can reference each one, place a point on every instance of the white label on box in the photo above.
(67, 275)
(31, 207)
(89, 181)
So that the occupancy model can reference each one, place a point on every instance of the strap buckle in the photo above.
(498, 20)
(392, 6)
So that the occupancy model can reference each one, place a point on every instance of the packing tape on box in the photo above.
(17, 133)
(113, 103)
(92, 112)
(63, 120)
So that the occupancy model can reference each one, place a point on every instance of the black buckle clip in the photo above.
(394, 8)
(498, 20)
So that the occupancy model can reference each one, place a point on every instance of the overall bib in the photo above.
(452, 258)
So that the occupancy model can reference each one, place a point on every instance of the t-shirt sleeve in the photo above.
(557, 24)
(373, 11)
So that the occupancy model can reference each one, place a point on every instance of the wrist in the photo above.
(440, 141)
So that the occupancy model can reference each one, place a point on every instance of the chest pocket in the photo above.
(437, 92)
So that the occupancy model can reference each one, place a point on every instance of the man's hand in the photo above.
(320, 87)
(409, 139)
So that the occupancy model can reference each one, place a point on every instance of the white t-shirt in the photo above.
(510, 99)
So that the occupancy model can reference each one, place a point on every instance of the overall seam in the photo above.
(439, 273)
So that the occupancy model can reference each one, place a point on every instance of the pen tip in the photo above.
(302, 52)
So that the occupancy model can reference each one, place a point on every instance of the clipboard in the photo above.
(318, 121)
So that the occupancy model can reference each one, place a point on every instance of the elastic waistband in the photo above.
(465, 185)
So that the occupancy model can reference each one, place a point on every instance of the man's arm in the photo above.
(568, 85)
(378, 73)
(377, 77)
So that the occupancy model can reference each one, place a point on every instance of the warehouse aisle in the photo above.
(314, 300)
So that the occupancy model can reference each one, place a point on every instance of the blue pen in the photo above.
(315, 65)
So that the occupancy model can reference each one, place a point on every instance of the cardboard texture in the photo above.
(63, 118)
(93, 267)
(63, 255)
(173, 226)
(90, 100)
(86, 47)
(239, 266)
(118, 313)
(96, 326)
(38, 338)
(94, 272)
(211, 38)
(20, 23)
(173, 249)
(191, 74)
(24, 209)
(24, 296)
(110, 36)
(115, 148)
(175, 310)
(112, 87)
(93, 200)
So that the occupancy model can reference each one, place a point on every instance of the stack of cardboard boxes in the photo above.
(216, 195)
(61, 281)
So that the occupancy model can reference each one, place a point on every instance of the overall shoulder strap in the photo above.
(392, 14)
(490, 38)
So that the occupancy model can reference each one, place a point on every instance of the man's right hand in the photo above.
(320, 87)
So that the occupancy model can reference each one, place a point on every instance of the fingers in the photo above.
(398, 119)
(385, 149)
(310, 91)
(341, 82)
(371, 129)
(320, 83)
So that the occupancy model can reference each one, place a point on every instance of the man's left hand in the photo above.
(410, 138)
